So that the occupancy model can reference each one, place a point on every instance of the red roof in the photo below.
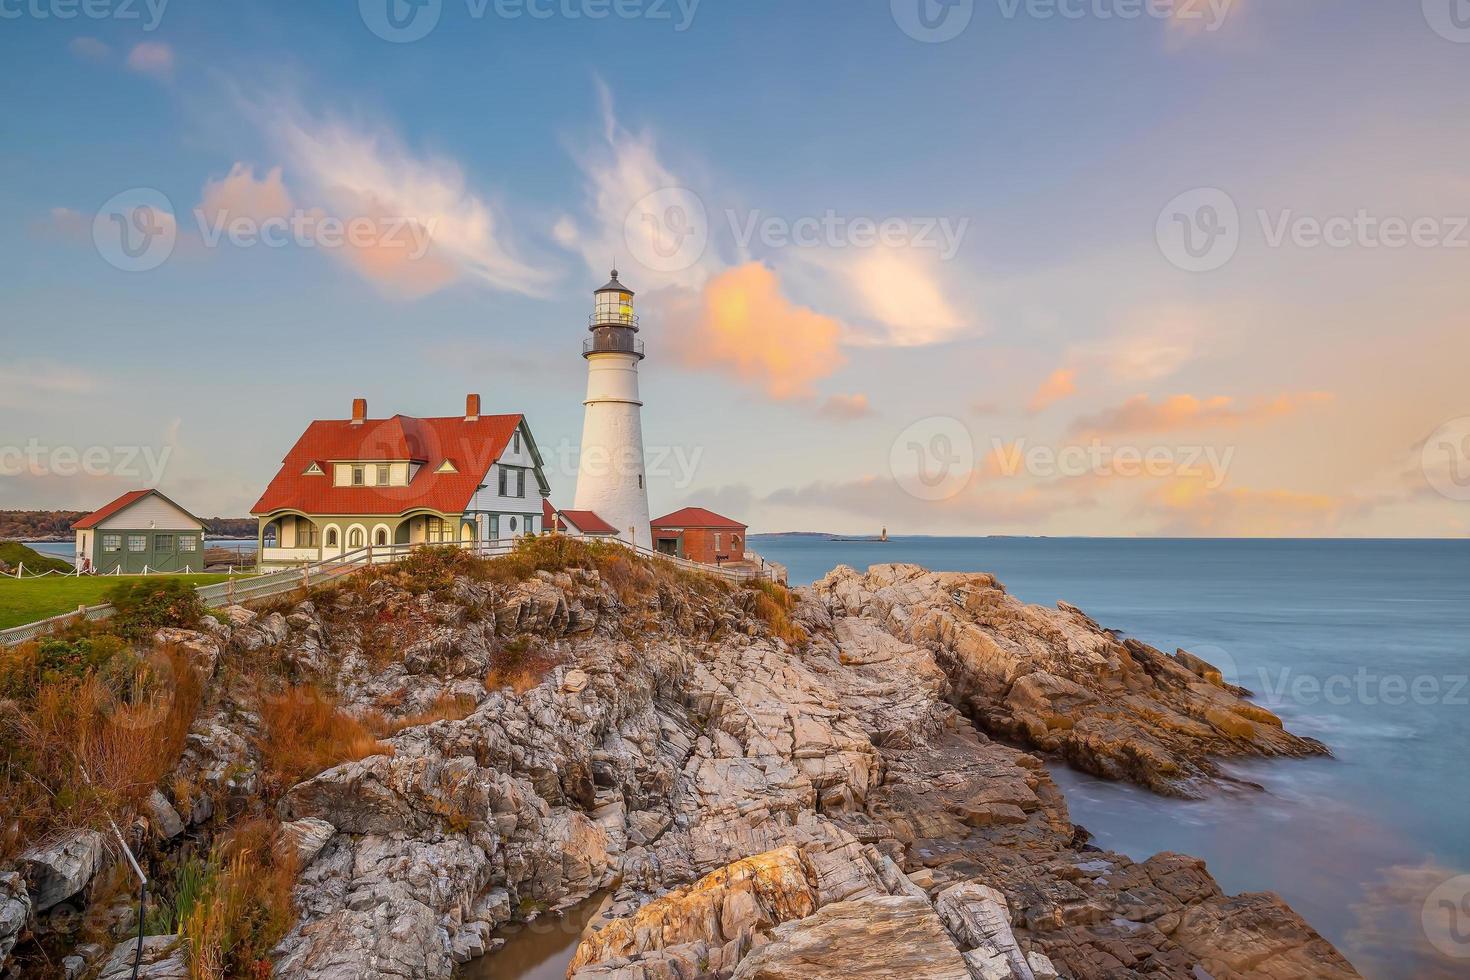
(697, 517)
(106, 511)
(587, 522)
(549, 520)
(471, 446)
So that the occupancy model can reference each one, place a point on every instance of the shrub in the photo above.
(124, 731)
(515, 664)
(145, 605)
(772, 604)
(242, 907)
(305, 733)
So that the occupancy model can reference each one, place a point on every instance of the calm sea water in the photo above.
(1362, 644)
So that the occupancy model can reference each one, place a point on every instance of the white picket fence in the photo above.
(241, 590)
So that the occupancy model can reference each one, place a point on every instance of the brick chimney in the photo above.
(359, 411)
(472, 408)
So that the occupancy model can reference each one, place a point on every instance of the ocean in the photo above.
(1364, 645)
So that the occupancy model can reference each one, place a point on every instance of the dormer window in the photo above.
(383, 471)
(359, 476)
(446, 467)
(313, 470)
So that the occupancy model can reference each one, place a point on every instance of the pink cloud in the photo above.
(1141, 414)
(1062, 383)
(846, 407)
(152, 58)
(239, 194)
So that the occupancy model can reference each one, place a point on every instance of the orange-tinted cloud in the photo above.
(846, 407)
(1187, 507)
(744, 326)
(152, 58)
(1061, 384)
(1187, 412)
(239, 194)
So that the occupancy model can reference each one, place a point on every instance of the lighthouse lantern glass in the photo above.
(613, 307)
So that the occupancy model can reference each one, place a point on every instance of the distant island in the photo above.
(825, 536)
(55, 525)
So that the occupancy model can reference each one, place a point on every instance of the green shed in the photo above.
(141, 531)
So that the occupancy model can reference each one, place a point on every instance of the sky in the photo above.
(1063, 267)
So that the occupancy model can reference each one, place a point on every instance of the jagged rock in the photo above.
(306, 837)
(58, 871)
(203, 649)
(15, 910)
(165, 819)
(883, 938)
(163, 959)
(239, 615)
(749, 802)
(1056, 680)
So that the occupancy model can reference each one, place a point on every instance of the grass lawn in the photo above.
(27, 600)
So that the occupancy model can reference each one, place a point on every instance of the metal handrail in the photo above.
(612, 345)
(613, 320)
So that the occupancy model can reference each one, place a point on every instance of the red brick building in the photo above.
(700, 535)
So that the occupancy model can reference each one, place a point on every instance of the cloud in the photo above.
(845, 407)
(1141, 414)
(742, 324)
(29, 384)
(1187, 507)
(619, 172)
(89, 49)
(152, 58)
(354, 172)
(895, 295)
(881, 500)
(239, 194)
(1061, 384)
(1154, 344)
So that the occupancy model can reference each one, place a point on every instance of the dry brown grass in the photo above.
(519, 665)
(305, 733)
(244, 906)
(772, 604)
(446, 707)
(125, 728)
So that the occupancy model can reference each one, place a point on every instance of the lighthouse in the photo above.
(610, 476)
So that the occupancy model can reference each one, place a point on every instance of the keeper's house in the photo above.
(700, 535)
(141, 531)
(354, 483)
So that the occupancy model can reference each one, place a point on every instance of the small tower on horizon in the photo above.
(610, 475)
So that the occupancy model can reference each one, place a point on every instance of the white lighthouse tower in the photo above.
(610, 477)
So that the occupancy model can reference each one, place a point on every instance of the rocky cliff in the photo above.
(847, 785)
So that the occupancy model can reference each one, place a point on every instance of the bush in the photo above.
(124, 726)
(516, 665)
(772, 604)
(241, 906)
(146, 605)
(305, 733)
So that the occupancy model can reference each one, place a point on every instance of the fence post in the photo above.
(20, 569)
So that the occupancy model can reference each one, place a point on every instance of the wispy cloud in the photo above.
(1188, 412)
(88, 48)
(845, 407)
(153, 58)
(1061, 383)
(349, 170)
(29, 384)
